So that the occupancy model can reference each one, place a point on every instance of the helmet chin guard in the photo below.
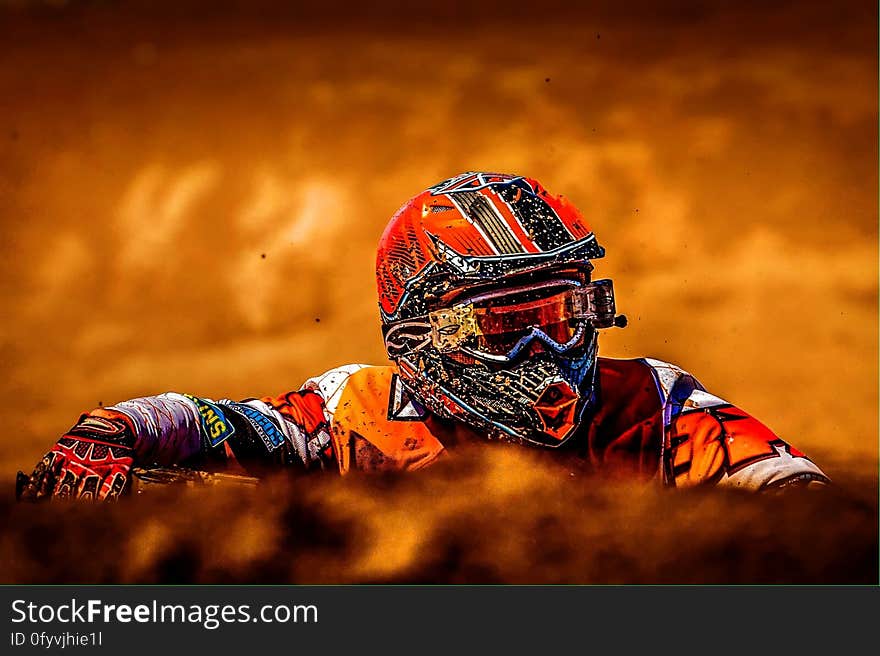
(488, 308)
(538, 400)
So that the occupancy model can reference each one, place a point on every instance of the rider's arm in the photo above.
(714, 442)
(708, 441)
(289, 430)
(93, 459)
(723, 445)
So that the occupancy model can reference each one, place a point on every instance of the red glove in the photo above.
(82, 465)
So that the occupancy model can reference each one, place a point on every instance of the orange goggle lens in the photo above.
(502, 323)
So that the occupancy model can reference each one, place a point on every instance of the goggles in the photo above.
(499, 325)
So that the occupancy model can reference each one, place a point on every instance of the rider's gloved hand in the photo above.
(79, 468)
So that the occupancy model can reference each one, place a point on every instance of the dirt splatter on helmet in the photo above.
(488, 306)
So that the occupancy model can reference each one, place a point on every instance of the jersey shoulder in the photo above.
(649, 381)
(375, 423)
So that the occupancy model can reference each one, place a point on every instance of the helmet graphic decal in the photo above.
(471, 181)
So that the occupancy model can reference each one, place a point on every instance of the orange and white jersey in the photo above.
(651, 421)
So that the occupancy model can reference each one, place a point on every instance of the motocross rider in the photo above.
(490, 316)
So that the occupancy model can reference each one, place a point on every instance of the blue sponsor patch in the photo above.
(216, 427)
(263, 425)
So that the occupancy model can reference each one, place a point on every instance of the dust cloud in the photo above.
(497, 515)
(191, 199)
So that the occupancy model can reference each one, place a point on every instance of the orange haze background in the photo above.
(191, 199)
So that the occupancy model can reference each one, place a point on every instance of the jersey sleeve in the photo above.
(710, 441)
(291, 429)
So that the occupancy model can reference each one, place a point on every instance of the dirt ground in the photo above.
(191, 200)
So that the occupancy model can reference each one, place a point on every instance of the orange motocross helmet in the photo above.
(488, 307)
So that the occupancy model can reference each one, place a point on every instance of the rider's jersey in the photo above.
(651, 421)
